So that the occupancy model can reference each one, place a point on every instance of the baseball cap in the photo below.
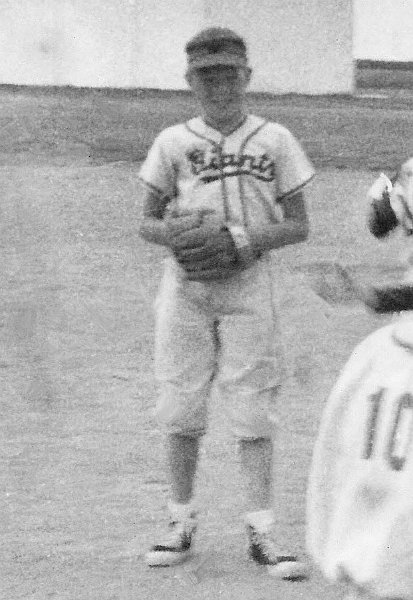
(216, 46)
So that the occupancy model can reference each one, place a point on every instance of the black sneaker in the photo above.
(262, 550)
(175, 548)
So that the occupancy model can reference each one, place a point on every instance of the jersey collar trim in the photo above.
(204, 131)
(153, 188)
(240, 124)
(190, 127)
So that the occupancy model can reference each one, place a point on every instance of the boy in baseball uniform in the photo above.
(360, 492)
(221, 192)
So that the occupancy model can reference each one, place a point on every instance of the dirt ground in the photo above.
(83, 479)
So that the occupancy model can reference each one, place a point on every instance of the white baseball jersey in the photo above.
(240, 176)
(360, 492)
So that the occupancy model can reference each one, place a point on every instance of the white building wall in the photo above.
(98, 43)
(383, 30)
(295, 46)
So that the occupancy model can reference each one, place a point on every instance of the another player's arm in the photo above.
(294, 229)
(389, 298)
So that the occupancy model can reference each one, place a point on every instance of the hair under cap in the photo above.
(216, 46)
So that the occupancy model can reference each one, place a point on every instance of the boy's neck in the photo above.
(226, 126)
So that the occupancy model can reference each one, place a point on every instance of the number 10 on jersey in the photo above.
(399, 429)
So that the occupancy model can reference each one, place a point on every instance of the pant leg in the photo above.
(185, 357)
(250, 366)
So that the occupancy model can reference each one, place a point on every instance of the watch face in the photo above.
(240, 236)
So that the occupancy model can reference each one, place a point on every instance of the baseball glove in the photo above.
(202, 245)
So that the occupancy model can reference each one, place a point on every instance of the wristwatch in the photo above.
(242, 243)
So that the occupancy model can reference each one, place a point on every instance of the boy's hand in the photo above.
(202, 245)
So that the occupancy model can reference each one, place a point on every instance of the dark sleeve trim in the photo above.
(295, 190)
(152, 187)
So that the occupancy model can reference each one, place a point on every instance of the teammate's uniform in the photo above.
(241, 176)
(360, 493)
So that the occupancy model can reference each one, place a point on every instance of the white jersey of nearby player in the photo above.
(240, 176)
(360, 492)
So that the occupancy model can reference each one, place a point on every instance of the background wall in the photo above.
(139, 43)
(296, 46)
(383, 30)
(299, 45)
(126, 43)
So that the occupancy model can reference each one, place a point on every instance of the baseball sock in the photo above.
(179, 511)
(261, 520)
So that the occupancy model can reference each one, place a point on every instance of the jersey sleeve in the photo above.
(293, 168)
(158, 172)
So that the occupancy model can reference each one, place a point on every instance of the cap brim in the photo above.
(218, 59)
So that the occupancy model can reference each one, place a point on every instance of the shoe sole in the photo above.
(166, 559)
(290, 571)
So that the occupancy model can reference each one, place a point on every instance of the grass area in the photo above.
(94, 126)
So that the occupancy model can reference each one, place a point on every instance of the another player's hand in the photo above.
(381, 218)
(333, 282)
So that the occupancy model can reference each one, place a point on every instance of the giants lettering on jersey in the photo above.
(212, 164)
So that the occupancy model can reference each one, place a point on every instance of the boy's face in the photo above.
(220, 89)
